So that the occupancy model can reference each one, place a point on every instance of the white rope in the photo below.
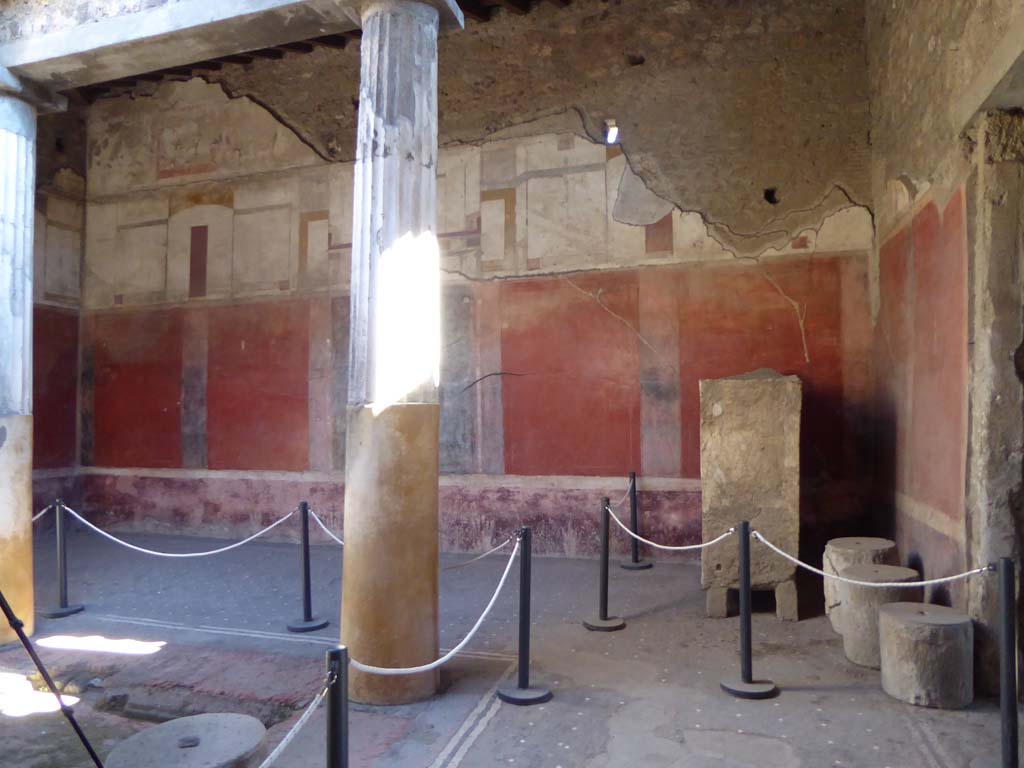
(145, 551)
(812, 569)
(625, 496)
(297, 727)
(454, 651)
(325, 528)
(488, 553)
(686, 548)
(42, 512)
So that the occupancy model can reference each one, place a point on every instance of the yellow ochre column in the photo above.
(389, 612)
(17, 205)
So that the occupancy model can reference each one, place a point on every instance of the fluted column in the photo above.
(17, 205)
(389, 614)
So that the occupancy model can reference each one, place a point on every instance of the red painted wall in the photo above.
(921, 358)
(136, 388)
(54, 386)
(572, 387)
(258, 386)
(734, 320)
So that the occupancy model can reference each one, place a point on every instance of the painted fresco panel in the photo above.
(938, 426)
(570, 384)
(54, 386)
(137, 370)
(258, 386)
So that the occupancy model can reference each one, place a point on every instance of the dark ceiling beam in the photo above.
(474, 9)
(331, 41)
(267, 53)
(560, 3)
(295, 47)
(517, 6)
(237, 58)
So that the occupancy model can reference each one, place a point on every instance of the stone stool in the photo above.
(927, 654)
(861, 604)
(841, 554)
(200, 741)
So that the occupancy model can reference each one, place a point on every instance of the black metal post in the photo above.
(635, 563)
(746, 687)
(307, 623)
(62, 609)
(18, 626)
(604, 622)
(1008, 660)
(522, 693)
(337, 708)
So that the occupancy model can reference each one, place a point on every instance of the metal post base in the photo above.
(308, 626)
(523, 697)
(611, 624)
(60, 613)
(643, 565)
(758, 689)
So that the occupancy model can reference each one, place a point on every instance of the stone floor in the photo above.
(646, 696)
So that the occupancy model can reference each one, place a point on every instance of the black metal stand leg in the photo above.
(308, 623)
(521, 693)
(746, 687)
(63, 608)
(635, 563)
(604, 622)
(1008, 662)
(337, 708)
(69, 714)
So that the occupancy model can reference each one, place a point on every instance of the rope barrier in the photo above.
(812, 569)
(625, 496)
(145, 551)
(394, 671)
(686, 548)
(298, 725)
(488, 553)
(42, 512)
(325, 528)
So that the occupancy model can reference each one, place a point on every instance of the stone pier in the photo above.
(17, 206)
(389, 615)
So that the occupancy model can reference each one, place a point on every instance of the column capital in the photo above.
(41, 98)
(449, 14)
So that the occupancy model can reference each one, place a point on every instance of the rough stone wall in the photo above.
(717, 102)
(27, 18)
(923, 58)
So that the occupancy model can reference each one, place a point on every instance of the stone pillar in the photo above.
(17, 206)
(389, 615)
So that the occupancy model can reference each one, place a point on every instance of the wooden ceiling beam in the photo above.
(516, 6)
(331, 41)
(474, 9)
(295, 47)
(267, 53)
(236, 58)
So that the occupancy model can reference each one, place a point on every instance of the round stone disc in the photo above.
(758, 689)
(201, 741)
(611, 624)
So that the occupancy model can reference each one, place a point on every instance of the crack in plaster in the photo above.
(597, 298)
(801, 312)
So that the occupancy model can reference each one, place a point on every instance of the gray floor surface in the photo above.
(646, 696)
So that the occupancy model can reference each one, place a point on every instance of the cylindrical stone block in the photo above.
(861, 604)
(389, 612)
(927, 654)
(841, 554)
